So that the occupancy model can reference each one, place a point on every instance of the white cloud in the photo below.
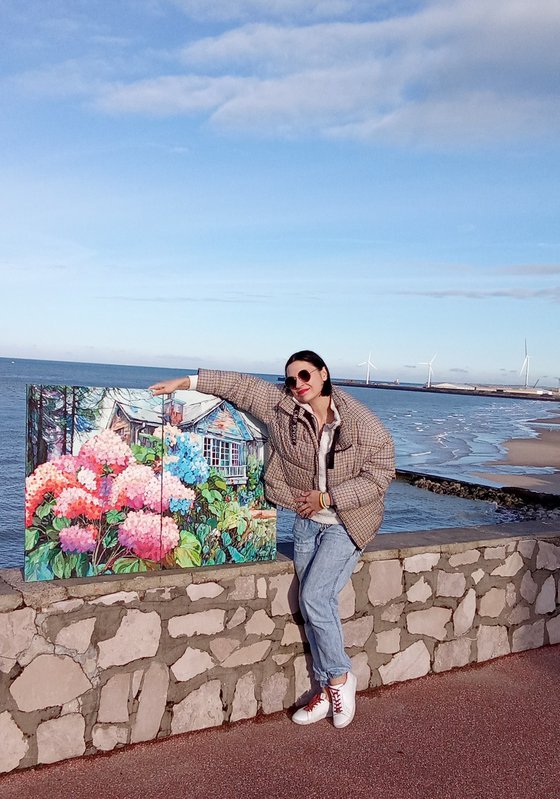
(437, 73)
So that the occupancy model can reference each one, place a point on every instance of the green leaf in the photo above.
(44, 509)
(58, 564)
(110, 538)
(130, 565)
(115, 517)
(236, 556)
(70, 565)
(226, 538)
(220, 484)
(82, 565)
(31, 538)
(220, 557)
(60, 522)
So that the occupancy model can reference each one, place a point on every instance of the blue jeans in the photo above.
(324, 559)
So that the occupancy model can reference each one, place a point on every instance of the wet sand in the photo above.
(538, 452)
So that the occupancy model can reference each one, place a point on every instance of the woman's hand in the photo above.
(308, 503)
(169, 386)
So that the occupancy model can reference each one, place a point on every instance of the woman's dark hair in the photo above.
(318, 362)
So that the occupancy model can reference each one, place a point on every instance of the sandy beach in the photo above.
(537, 452)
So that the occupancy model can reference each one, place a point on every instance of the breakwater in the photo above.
(90, 666)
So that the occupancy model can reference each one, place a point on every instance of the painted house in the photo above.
(227, 436)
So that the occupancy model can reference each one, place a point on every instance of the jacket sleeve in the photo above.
(249, 393)
(373, 480)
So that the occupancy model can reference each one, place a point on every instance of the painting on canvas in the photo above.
(119, 481)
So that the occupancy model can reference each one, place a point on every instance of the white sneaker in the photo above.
(318, 708)
(343, 698)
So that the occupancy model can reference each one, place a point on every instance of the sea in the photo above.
(447, 435)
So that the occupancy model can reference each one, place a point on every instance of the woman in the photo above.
(331, 460)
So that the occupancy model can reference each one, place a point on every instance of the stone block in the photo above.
(358, 631)
(59, 739)
(192, 663)
(386, 581)
(492, 603)
(76, 636)
(304, 681)
(200, 709)
(393, 612)
(151, 706)
(204, 591)
(244, 704)
(222, 648)
(106, 737)
(464, 558)
(284, 591)
(274, 692)
(430, 622)
(526, 548)
(512, 564)
(17, 629)
(530, 636)
(293, 634)
(518, 614)
(452, 654)
(361, 670)
(120, 597)
(494, 553)
(450, 584)
(48, 681)
(477, 576)
(553, 630)
(463, 616)
(511, 595)
(138, 637)
(113, 703)
(238, 618)
(206, 622)
(529, 589)
(548, 556)
(407, 665)
(14, 743)
(546, 599)
(421, 591)
(38, 646)
(423, 562)
(261, 588)
(388, 642)
(260, 623)
(247, 655)
(244, 588)
(492, 642)
(347, 601)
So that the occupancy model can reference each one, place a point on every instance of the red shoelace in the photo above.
(315, 701)
(336, 699)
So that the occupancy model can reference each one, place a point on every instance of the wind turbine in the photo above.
(369, 364)
(525, 367)
(430, 370)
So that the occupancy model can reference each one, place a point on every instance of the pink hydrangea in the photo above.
(78, 539)
(104, 452)
(87, 478)
(129, 486)
(148, 535)
(158, 496)
(74, 502)
(46, 479)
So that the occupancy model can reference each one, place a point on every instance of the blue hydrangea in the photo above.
(191, 466)
(180, 506)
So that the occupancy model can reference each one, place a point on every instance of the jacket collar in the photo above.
(289, 405)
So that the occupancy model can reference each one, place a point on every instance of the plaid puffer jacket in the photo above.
(360, 465)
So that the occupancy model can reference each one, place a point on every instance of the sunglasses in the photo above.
(304, 375)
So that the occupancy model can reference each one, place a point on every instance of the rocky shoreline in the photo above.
(513, 503)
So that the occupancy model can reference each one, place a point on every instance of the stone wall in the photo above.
(87, 667)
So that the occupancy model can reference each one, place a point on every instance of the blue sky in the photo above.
(221, 183)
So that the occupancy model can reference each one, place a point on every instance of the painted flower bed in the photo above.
(114, 508)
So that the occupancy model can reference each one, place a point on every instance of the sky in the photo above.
(189, 183)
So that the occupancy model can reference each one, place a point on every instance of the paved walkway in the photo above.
(486, 732)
